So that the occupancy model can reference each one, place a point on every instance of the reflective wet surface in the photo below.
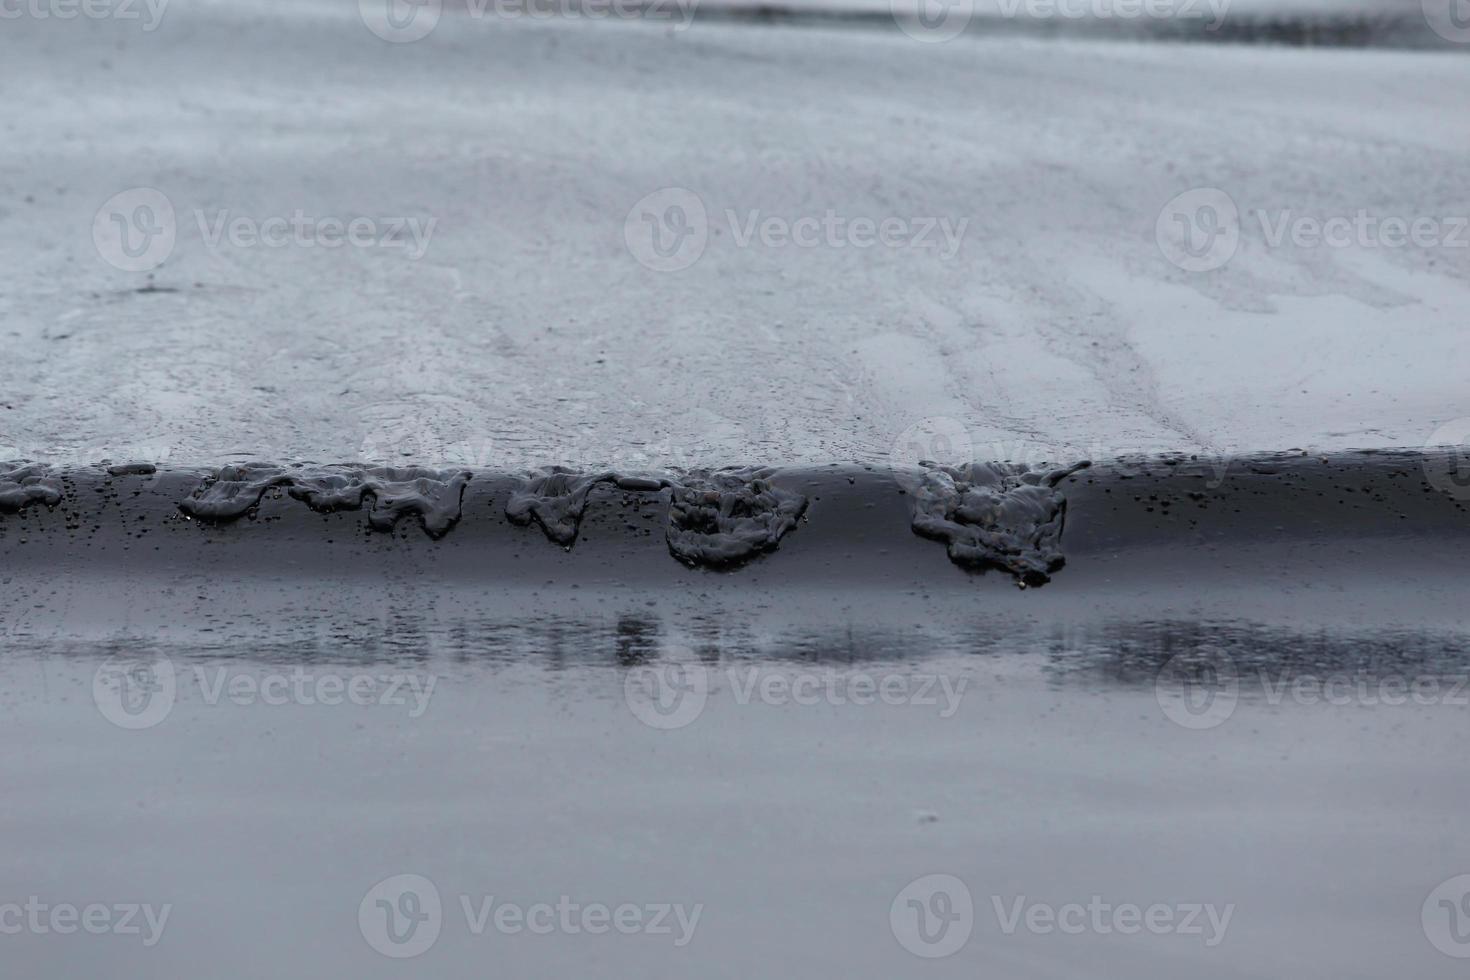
(1281, 800)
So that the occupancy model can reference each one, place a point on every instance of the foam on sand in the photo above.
(387, 493)
(996, 515)
(718, 518)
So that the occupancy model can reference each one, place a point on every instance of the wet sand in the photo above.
(1372, 537)
(529, 332)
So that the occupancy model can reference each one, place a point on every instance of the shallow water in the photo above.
(790, 807)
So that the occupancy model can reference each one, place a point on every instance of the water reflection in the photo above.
(1102, 655)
